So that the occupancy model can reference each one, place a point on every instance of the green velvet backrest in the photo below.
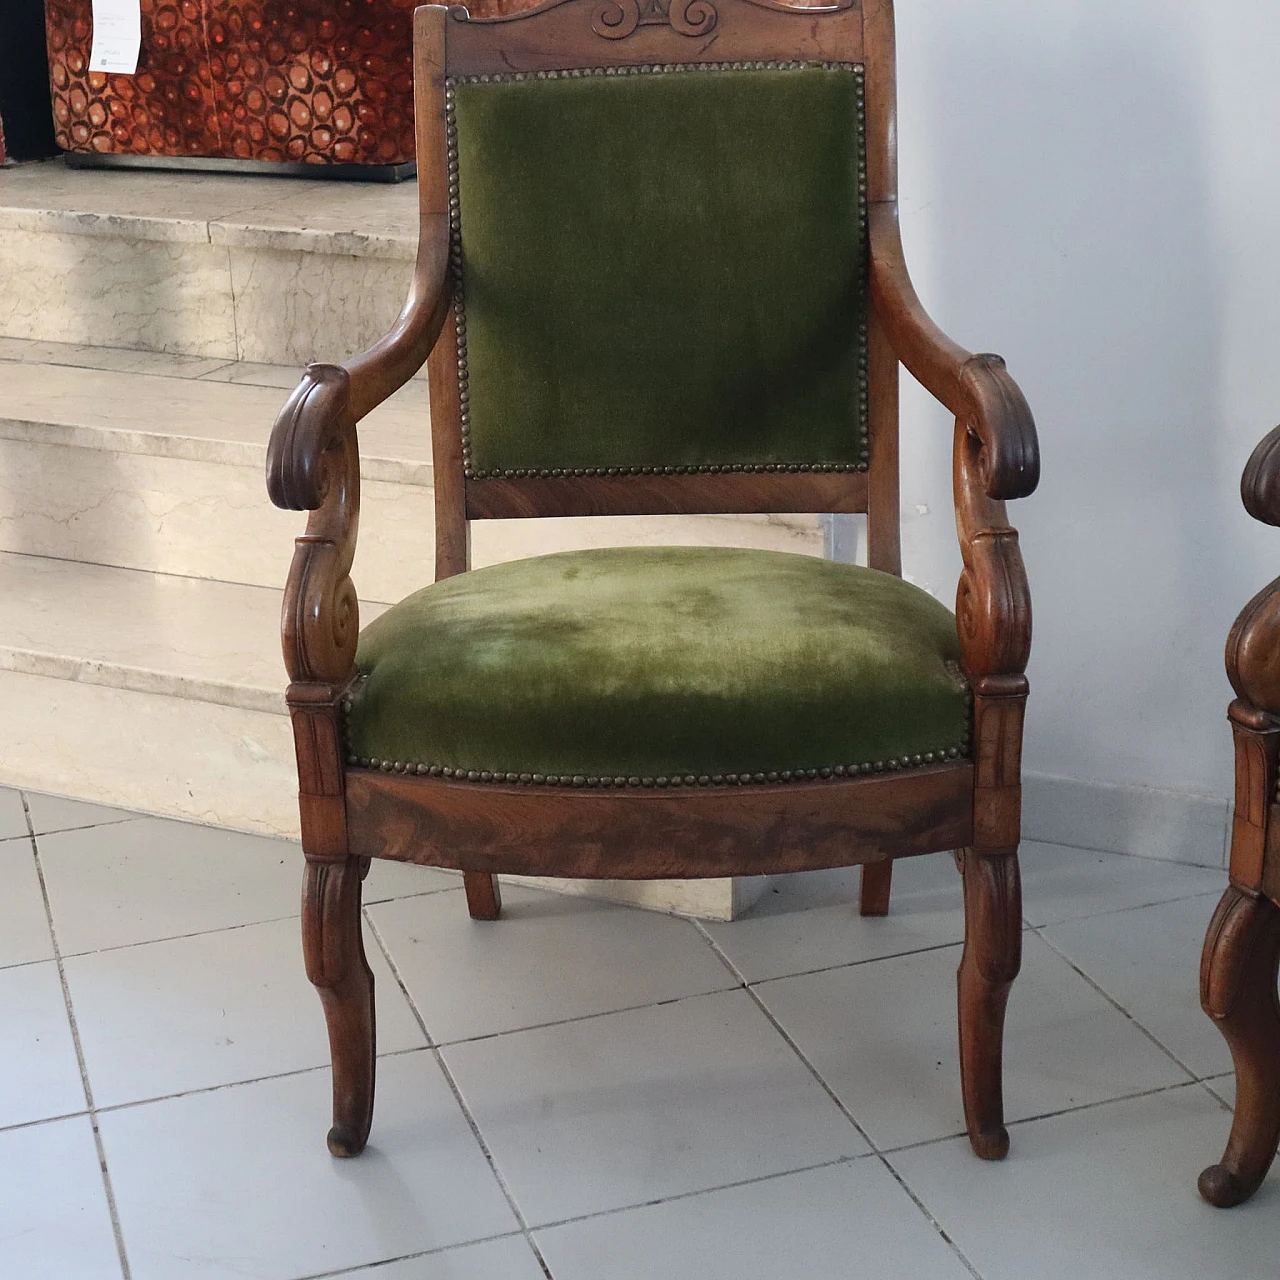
(660, 269)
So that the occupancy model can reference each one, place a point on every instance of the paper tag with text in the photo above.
(117, 36)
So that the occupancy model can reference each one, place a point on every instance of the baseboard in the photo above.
(1173, 826)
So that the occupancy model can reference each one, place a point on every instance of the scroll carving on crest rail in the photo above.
(617, 19)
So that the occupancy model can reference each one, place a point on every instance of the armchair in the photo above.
(1242, 947)
(659, 274)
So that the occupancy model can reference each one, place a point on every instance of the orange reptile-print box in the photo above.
(228, 84)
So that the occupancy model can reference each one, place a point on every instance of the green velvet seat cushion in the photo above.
(663, 269)
(646, 663)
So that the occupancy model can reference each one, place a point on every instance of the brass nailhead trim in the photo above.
(677, 780)
(459, 303)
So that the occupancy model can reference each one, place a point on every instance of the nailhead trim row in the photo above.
(459, 302)
(679, 780)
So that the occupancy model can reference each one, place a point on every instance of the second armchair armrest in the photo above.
(1260, 483)
(977, 389)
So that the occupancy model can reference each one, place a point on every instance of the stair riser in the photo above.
(230, 767)
(192, 297)
(213, 520)
(147, 751)
(199, 519)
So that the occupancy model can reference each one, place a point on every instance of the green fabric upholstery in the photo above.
(660, 662)
(663, 269)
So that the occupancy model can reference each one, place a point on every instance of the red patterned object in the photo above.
(319, 82)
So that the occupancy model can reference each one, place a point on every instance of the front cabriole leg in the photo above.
(992, 909)
(1238, 991)
(333, 947)
(991, 960)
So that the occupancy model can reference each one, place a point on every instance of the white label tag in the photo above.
(117, 36)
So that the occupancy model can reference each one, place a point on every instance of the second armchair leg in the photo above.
(991, 960)
(1238, 991)
(333, 946)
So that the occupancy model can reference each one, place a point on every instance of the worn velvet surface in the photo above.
(662, 269)
(660, 661)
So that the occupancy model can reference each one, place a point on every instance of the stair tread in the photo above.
(150, 632)
(365, 220)
(182, 406)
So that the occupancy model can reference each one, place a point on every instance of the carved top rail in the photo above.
(584, 33)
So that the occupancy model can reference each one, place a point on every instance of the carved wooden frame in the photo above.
(352, 814)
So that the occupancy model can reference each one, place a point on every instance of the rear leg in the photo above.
(484, 898)
(873, 892)
(991, 960)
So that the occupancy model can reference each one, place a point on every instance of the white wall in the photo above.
(1091, 188)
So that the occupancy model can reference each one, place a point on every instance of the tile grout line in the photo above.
(236, 1084)
(677, 1196)
(813, 1071)
(361, 1268)
(1052, 1115)
(434, 1049)
(31, 1124)
(1115, 1004)
(195, 933)
(1119, 911)
(108, 1190)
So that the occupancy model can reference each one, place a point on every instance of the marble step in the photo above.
(164, 694)
(152, 461)
(149, 461)
(229, 267)
(191, 638)
(146, 690)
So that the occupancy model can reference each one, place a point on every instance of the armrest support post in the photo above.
(976, 389)
(313, 464)
(996, 457)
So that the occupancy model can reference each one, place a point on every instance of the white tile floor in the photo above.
(590, 1093)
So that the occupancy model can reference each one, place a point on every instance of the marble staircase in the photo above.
(141, 563)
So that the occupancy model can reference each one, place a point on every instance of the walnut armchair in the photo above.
(659, 272)
(1242, 947)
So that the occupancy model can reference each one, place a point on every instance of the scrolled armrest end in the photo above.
(313, 420)
(1260, 483)
(1009, 462)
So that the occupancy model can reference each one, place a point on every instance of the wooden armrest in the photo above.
(313, 465)
(332, 398)
(976, 388)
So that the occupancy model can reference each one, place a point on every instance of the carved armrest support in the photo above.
(993, 621)
(997, 457)
(993, 600)
(313, 464)
(976, 388)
